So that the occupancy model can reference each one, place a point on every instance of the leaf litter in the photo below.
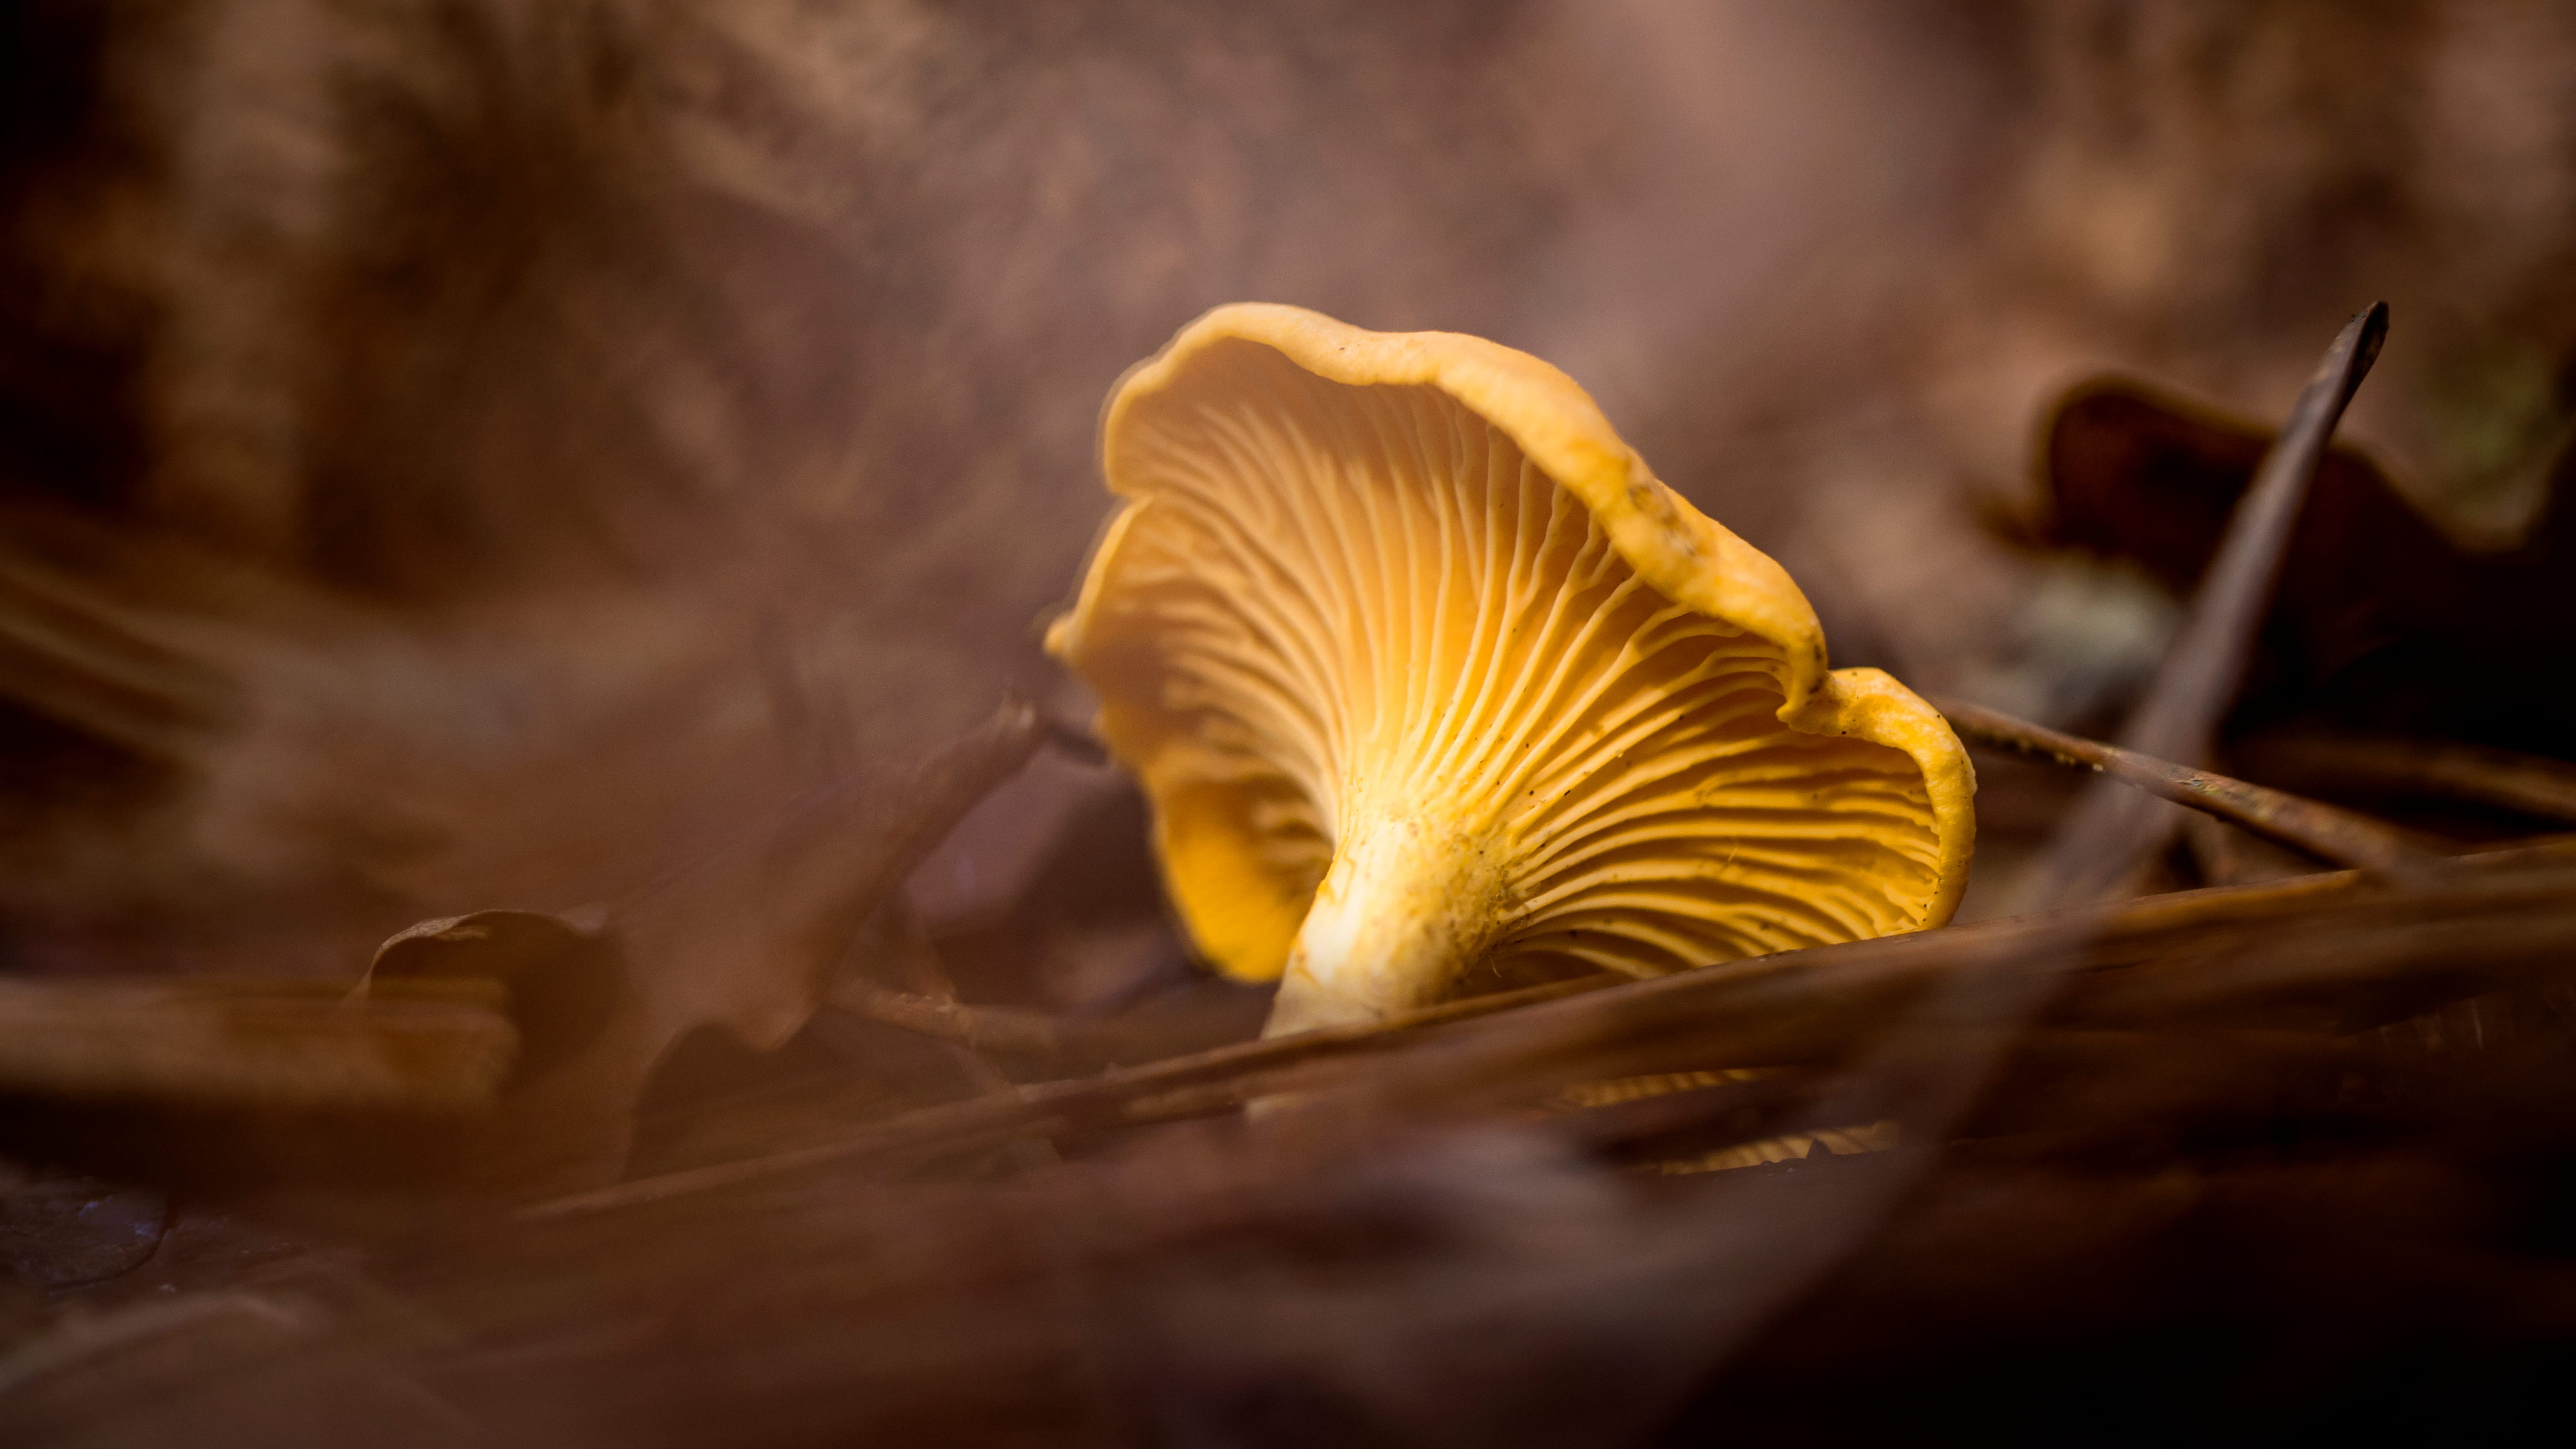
(2138, 1119)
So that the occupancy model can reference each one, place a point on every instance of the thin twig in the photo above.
(1002, 1030)
(2341, 836)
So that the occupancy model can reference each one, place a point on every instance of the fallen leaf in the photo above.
(743, 937)
(2380, 621)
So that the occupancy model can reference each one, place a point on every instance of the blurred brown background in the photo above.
(453, 452)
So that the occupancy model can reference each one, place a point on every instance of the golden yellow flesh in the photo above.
(1404, 706)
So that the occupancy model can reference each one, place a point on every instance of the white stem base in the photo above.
(1402, 911)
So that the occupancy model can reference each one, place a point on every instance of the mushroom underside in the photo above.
(1391, 685)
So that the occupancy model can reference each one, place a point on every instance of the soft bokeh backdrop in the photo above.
(450, 450)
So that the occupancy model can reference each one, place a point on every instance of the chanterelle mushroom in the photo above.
(1423, 670)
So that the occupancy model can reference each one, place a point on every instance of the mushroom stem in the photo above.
(1402, 909)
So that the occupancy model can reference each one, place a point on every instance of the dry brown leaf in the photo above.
(743, 938)
(2378, 614)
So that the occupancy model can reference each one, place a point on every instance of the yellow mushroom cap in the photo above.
(1425, 673)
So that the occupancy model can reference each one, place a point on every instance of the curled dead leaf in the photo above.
(743, 937)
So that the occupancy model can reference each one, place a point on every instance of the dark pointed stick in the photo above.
(2344, 837)
(2111, 829)
(2114, 827)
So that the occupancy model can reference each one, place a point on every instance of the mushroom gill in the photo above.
(1425, 674)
